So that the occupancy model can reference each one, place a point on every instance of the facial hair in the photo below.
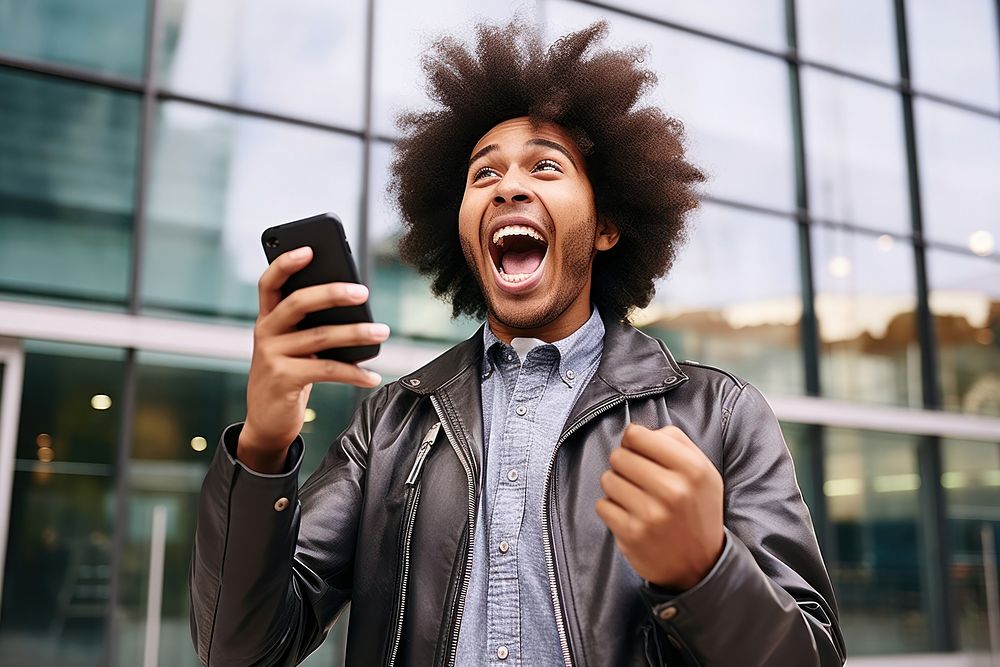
(577, 253)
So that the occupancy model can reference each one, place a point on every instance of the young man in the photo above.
(555, 490)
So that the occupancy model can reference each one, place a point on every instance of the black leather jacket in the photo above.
(385, 524)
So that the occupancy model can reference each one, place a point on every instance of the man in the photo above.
(555, 490)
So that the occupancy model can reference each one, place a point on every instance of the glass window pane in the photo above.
(965, 302)
(804, 445)
(865, 306)
(759, 22)
(58, 567)
(399, 296)
(182, 406)
(404, 30)
(218, 180)
(971, 480)
(67, 179)
(299, 57)
(953, 49)
(959, 155)
(875, 561)
(734, 103)
(104, 35)
(721, 305)
(856, 35)
(855, 153)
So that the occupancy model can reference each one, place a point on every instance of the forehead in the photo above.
(515, 132)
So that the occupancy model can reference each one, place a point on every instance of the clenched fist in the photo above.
(664, 506)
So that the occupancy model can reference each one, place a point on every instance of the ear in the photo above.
(607, 234)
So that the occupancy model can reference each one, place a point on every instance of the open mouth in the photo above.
(518, 252)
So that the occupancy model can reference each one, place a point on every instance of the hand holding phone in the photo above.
(286, 358)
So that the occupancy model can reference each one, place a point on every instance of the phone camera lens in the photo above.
(272, 242)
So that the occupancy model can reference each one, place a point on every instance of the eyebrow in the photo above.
(486, 150)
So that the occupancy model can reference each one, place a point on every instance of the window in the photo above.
(67, 181)
(865, 307)
(218, 181)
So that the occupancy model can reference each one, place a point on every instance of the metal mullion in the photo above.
(815, 435)
(934, 542)
(171, 96)
(810, 327)
(123, 459)
(71, 74)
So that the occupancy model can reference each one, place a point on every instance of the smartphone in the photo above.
(332, 262)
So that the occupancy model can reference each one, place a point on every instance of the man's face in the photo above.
(528, 223)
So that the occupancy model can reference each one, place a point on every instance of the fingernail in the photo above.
(300, 253)
(378, 330)
(357, 291)
(373, 376)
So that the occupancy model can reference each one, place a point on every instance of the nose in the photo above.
(511, 189)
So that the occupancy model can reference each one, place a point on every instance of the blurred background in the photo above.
(844, 260)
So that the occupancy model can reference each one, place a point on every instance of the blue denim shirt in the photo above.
(528, 390)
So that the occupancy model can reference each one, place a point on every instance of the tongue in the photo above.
(521, 262)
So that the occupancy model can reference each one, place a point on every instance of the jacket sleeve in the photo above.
(259, 596)
(768, 599)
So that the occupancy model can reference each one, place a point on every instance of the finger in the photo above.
(299, 372)
(269, 285)
(651, 477)
(626, 494)
(301, 302)
(663, 446)
(614, 517)
(315, 339)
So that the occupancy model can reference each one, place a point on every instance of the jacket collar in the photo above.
(631, 363)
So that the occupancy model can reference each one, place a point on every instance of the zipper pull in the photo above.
(425, 448)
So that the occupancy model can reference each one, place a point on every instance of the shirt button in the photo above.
(504, 547)
(521, 410)
(512, 475)
(502, 652)
(510, 357)
(668, 613)
(280, 504)
(570, 374)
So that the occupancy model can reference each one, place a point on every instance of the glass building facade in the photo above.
(843, 260)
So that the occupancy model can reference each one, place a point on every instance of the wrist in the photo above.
(260, 456)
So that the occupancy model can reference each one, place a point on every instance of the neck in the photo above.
(562, 326)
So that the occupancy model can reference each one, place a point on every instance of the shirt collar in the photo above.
(576, 352)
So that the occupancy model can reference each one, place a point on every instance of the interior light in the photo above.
(884, 243)
(891, 483)
(199, 444)
(310, 415)
(45, 454)
(981, 243)
(842, 487)
(954, 480)
(839, 266)
(100, 401)
(43, 440)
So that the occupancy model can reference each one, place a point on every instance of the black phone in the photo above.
(332, 262)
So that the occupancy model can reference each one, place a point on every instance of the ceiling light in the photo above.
(43, 440)
(884, 243)
(310, 415)
(839, 267)
(981, 243)
(45, 454)
(199, 444)
(100, 401)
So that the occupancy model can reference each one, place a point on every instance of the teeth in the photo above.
(514, 277)
(514, 230)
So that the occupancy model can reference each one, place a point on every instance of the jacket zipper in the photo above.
(467, 572)
(546, 530)
(409, 518)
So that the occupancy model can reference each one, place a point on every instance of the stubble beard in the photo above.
(577, 249)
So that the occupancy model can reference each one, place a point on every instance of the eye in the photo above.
(547, 165)
(484, 172)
